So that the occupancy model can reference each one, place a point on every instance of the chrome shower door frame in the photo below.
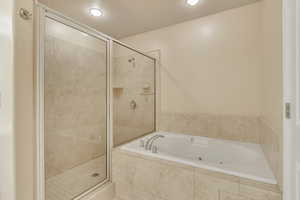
(42, 13)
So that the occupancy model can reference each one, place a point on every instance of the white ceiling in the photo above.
(129, 17)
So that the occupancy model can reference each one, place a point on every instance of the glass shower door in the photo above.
(75, 111)
(134, 97)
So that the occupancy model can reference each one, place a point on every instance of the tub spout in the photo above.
(154, 149)
(150, 141)
(147, 142)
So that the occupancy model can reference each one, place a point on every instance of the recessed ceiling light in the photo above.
(192, 2)
(96, 12)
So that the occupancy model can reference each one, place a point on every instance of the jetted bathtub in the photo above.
(245, 160)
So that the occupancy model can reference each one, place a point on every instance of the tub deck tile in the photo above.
(140, 177)
(258, 194)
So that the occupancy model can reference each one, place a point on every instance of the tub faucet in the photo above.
(148, 142)
(153, 140)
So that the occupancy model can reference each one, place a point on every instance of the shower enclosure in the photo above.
(93, 93)
(133, 94)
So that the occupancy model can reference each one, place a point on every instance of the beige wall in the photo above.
(211, 72)
(16, 102)
(7, 160)
(24, 104)
(272, 63)
(272, 96)
(211, 64)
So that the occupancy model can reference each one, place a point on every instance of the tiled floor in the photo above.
(73, 182)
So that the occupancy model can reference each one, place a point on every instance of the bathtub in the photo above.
(245, 160)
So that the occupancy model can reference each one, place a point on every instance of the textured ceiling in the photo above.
(129, 17)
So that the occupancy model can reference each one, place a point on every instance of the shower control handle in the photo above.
(133, 105)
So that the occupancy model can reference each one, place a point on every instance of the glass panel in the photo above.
(75, 111)
(298, 88)
(133, 93)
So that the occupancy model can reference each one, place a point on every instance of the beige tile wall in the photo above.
(230, 127)
(75, 99)
(139, 177)
(272, 145)
(129, 79)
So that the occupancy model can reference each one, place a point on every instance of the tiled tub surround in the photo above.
(228, 127)
(272, 143)
(140, 177)
(133, 80)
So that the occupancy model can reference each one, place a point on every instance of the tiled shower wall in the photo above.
(75, 100)
(133, 81)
